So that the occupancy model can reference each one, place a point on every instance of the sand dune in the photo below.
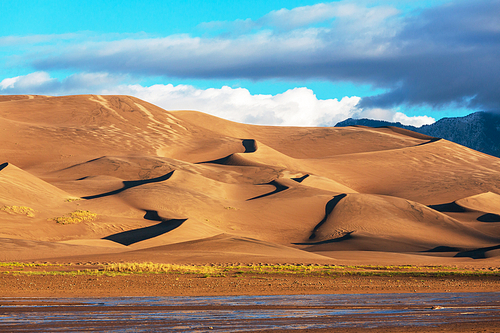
(221, 248)
(432, 173)
(18, 187)
(182, 186)
(21, 249)
(485, 202)
(397, 224)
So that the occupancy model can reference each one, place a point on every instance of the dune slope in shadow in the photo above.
(137, 235)
(130, 184)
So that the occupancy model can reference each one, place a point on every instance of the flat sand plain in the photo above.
(112, 280)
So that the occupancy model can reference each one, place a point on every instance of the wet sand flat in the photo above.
(310, 313)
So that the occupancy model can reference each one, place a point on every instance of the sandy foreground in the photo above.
(73, 281)
(84, 280)
(38, 281)
(271, 284)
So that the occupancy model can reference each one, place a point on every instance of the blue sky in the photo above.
(295, 63)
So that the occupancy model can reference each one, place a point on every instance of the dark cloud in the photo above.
(440, 56)
(449, 54)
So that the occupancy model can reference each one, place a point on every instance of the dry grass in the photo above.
(22, 210)
(24, 264)
(259, 271)
(149, 267)
(77, 216)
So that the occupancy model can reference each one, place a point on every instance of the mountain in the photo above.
(94, 178)
(479, 130)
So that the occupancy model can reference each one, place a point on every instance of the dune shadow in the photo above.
(250, 145)
(477, 253)
(489, 217)
(83, 163)
(222, 161)
(444, 249)
(330, 205)
(137, 235)
(130, 184)
(300, 179)
(451, 207)
(278, 188)
(3, 165)
(347, 236)
(430, 141)
(152, 215)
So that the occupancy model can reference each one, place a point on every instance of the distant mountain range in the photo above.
(479, 131)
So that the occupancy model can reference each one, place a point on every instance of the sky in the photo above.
(291, 63)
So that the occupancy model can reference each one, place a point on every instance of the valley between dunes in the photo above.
(115, 179)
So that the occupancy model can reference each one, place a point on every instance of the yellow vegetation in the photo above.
(76, 217)
(149, 267)
(19, 210)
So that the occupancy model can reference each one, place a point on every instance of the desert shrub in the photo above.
(23, 210)
(77, 216)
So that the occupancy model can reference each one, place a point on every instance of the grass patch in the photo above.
(77, 216)
(53, 273)
(72, 199)
(22, 210)
(259, 271)
(161, 268)
(23, 264)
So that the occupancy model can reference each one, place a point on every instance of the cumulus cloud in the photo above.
(439, 56)
(294, 107)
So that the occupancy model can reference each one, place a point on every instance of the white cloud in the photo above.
(416, 121)
(42, 83)
(8, 82)
(300, 16)
(26, 82)
(348, 16)
(282, 43)
(393, 116)
(294, 107)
